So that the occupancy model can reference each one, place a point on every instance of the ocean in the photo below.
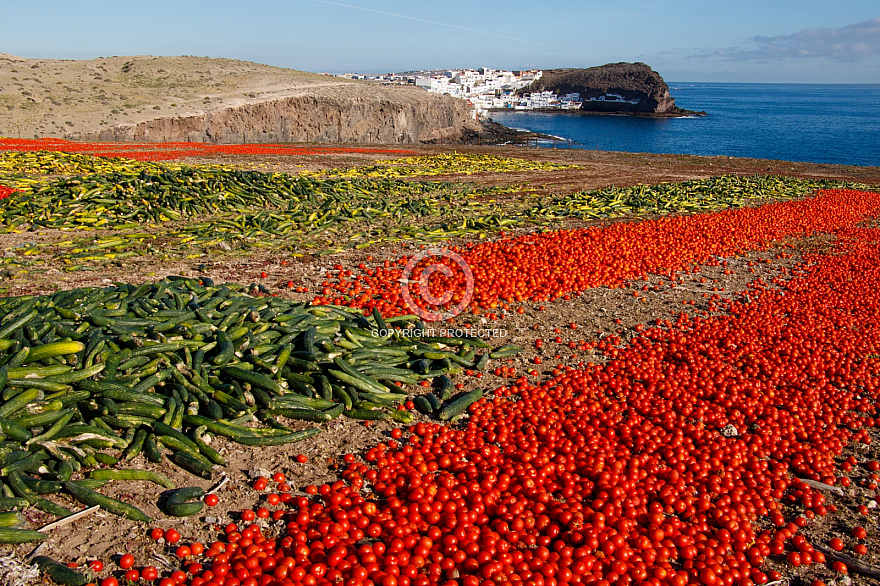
(814, 123)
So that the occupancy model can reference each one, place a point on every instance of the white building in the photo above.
(493, 89)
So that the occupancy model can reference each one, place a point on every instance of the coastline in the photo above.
(677, 114)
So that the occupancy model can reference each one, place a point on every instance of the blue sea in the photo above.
(814, 123)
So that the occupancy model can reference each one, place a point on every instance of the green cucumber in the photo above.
(14, 431)
(279, 439)
(206, 450)
(358, 381)
(19, 401)
(91, 498)
(307, 415)
(9, 535)
(460, 405)
(131, 474)
(197, 465)
(58, 572)
(505, 351)
(255, 379)
(151, 450)
(177, 502)
(446, 388)
(423, 405)
(10, 519)
(52, 350)
(367, 414)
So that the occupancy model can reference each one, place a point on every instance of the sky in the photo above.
(786, 41)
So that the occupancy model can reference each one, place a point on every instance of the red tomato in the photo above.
(172, 535)
(149, 573)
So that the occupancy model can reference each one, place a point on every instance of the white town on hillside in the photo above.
(488, 89)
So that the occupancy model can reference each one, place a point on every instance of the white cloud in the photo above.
(853, 42)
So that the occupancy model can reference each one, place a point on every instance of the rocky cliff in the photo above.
(394, 117)
(632, 88)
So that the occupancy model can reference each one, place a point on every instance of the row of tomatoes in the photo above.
(172, 150)
(550, 265)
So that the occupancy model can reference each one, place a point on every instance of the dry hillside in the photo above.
(213, 100)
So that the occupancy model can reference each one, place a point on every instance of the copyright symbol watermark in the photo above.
(452, 266)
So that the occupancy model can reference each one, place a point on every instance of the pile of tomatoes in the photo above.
(6, 192)
(547, 266)
(681, 460)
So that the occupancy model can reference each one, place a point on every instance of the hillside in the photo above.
(632, 88)
(202, 99)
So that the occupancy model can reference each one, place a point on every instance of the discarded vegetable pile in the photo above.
(546, 266)
(654, 468)
(215, 209)
(444, 165)
(689, 455)
(131, 369)
(627, 472)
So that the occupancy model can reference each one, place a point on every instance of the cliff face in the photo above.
(308, 119)
(617, 87)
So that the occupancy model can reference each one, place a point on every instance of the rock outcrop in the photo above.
(631, 88)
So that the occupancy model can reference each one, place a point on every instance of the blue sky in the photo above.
(799, 41)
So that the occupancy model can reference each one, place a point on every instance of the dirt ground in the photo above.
(596, 314)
